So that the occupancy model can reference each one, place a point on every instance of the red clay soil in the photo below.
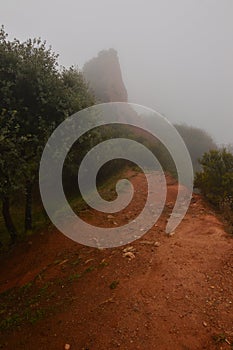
(168, 293)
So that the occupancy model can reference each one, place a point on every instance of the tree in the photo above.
(11, 167)
(76, 90)
(32, 85)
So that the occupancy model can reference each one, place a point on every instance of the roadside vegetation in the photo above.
(215, 181)
(36, 95)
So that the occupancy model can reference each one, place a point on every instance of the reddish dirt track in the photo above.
(169, 293)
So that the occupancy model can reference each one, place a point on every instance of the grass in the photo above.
(27, 304)
(76, 262)
(221, 338)
(30, 303)
(114, 284)
(74, 277)
(227, 212)
(89, 269)
(24, 304)
(104, 263)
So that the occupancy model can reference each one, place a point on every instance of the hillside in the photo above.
(159, 292)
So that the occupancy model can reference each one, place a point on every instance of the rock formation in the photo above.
(103, 73)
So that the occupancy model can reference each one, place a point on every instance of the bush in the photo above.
(215, 181)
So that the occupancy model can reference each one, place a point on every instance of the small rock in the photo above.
(67, 347)
(170, 205)
(110, 217)
(171, 233)
(156, 244)
(147, 242)
(87, 261)
(204, 324)
(129, 249)
(129, 255)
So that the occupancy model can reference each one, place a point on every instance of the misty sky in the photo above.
(176, 55)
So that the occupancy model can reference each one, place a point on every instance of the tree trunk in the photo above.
(8, 220)
(28, 206)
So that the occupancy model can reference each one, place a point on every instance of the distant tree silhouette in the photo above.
(197, 141)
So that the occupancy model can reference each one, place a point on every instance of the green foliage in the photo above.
(220, 338)
(10, 163)
(74, 277)
(76, 90)
(32, 305)
(114, 284)
(216, 179)
(31, 85)
(35, 96)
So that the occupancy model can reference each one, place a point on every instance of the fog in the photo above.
(176, 56)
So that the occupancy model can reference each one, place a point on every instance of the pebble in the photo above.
(129, 255)
(171, 233)
(110, 217)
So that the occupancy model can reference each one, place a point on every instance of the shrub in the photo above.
(215, 181)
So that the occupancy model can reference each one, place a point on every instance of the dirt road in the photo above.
(159, 292)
